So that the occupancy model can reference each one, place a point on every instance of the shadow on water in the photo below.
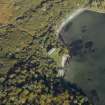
(71, 87)
(74, 90)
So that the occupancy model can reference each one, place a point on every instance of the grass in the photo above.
(7, 64)
(6, 11)
(41, 19)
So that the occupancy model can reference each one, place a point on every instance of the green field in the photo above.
(57, 58)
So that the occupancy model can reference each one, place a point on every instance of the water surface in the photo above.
(84, 35)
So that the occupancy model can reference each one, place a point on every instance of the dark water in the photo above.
(85, 38)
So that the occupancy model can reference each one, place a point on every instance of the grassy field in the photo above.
(6, 11)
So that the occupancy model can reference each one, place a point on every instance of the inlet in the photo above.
(83, 33)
